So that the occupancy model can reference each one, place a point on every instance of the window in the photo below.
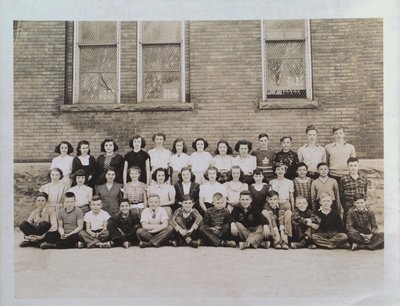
(161, 61)
(286, 56)
(96, 62)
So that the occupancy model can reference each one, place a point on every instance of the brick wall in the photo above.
(224, 83)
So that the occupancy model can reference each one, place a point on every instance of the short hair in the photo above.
(42, 194)
(300, 197)
(102, 149)
(198, 139)
(153, 195)
(284, 137)
(337, 127)
(58, 170)
(218, 196)
(179, 139)
(187, 197)
(325, 195)
(77, 173)
(301, 165)
(263, 135)
(120, 201)
(272, 193)
(159, 134)
(230, 176)
(154, 175)
(322, 164)
(142, 145)
(245, 193)
(311, 127)
(358, 196)
(258, 171)
(281, 165)
(210, 168)
(229, 150)
(78, 147)
(110, 169)
(243, 142)
(95, 198)
(70, 148)
(69, 194)
(352, 160)
(134, 168)
(192, 176)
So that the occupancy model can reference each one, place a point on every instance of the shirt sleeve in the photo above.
(300, 154)
(291, 186)
(171, 193)
(144, 217)
(164, 215)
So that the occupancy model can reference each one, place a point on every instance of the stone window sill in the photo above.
(288, 104)
(140, 107)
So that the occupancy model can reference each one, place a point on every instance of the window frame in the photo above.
(307, 102)
(76, 64)
(139, 71)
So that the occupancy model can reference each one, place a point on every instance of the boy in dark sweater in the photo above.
(248, 224)
(330, 233)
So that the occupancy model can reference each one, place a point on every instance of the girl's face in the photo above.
(109, 147)
(179, 147)
(64, 149)
(280, 171)
(80, 180)
(186, 176)
(110, 176)
(55, 176)
(235, 174)
(160, 177)
(159, 141)
(84, 149)
(137, 144)
(40, 202)
(311, 136)
(222, 148)
(134, 175)
(243, 150)
(286, 144)
(200, 146)
(212, 175)
(258, 178)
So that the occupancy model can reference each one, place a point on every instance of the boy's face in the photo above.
(263, 142)
(84, 149)
(80, 180)
(360, 204)
(258, 178)
(301, 204)
(245, 200)
(338, 135)
(323, 170)
(95, 206)
(110, 176)
(134, 174)
(40, 202)
(280, 171)
(55, 176)
(187, 205)
(302, 171)
(273, 201)
(326, 202)
(286, 144)
(124, 207)
(353, 167)
(311, 136)
(69, 203)
(153, 202)
(219, 203)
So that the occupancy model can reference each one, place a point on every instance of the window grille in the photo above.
(96, 62)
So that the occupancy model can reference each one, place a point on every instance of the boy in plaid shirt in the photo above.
(216, 224)
(351, 184)
(361, 226)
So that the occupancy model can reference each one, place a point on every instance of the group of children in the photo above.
(256, 199)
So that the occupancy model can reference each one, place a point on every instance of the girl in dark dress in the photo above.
(139, 158)
(259, 190)
(83, 160)
(109, 159)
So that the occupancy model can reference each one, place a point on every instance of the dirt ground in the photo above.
(182, 276)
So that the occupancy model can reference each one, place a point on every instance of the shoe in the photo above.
(105, 245)
(355, 247)
(312, 246)
(46, 245)
(265, 244)
(244, 245)
(277, 246)
(126, 244)
(201, 242)
(143, 244)
(194, 244)
(25, 244)
(301, 244)
(230, 244)
(285, 246)
(174, 243)
(113, 244)
(295, 245)
(80, 245)
(345, 246)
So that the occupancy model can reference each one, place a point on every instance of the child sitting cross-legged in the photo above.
(124, 225)
(186, 221)
(304, 223)
(248, 224)
(215, 229)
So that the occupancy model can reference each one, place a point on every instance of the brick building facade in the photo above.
(223, 89)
